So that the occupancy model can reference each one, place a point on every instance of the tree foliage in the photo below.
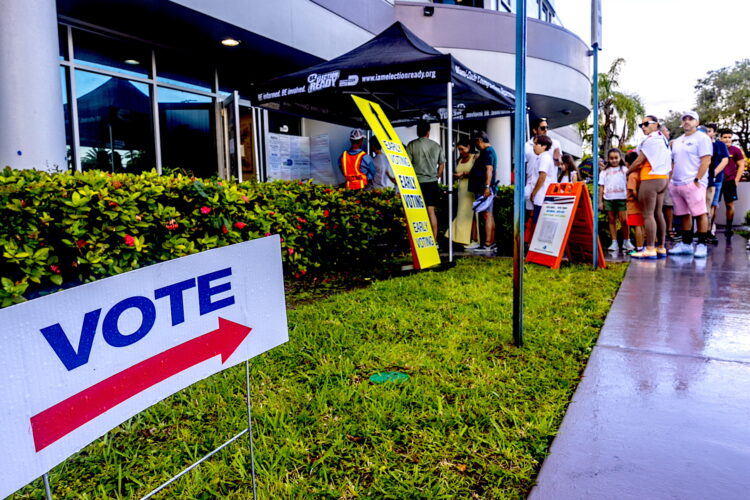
(723, 96)
(618, 111)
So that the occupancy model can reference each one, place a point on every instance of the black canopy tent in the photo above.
(410, 79)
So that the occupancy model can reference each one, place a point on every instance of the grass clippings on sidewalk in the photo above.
(474, 420)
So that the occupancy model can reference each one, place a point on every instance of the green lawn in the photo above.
(474, 420)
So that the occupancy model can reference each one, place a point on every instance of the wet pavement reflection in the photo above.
(663, 410)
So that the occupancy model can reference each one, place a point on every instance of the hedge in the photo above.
(59, 230)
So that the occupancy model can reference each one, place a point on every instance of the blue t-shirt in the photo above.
(720, 152)
(478, 173)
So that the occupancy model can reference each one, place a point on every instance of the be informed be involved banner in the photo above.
(76, 364)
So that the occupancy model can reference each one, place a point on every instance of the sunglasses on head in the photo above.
(646, 124)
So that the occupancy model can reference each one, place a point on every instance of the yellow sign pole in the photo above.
(423, 245)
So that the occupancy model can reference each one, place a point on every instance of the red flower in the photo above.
(113, 204)
(299, 227)
(117, 184)
(267, 234)
(303, 272)
(296, 275)
(327, 190)
(224, 229)
(282, 240)
(205, 210)
(245, 198)
(326, 213)
(54, 269)
(303, 221)
(310, 235)
(172, 225)
(24, 204)
(129, 240)
(239, 225)
(357, 202)
(290, 250)
(271, 213)
(81, 243)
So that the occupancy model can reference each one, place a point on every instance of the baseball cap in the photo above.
(703, 129)
(691, 114)
(356, 134)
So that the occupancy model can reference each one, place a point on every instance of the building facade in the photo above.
(129, 85)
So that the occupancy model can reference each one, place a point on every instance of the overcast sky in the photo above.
(667, 44)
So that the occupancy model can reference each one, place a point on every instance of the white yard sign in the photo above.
(76, 364)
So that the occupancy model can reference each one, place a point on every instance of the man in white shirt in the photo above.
(691, 156)
(539, 127)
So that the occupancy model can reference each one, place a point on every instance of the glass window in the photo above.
(114, 121)
(280, 123)
(184, 70)
(110, 54)
(66, 112)
(62, 41)
(187, 132)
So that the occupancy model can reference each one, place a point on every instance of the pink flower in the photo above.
(303, 221)
(296, 275)
(239, 225)
(129, 240)
(245, 198)
(267, 234)
(290, 250)
(55, 269)
(205, 210)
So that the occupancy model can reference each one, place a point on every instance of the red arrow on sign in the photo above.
(66, 416)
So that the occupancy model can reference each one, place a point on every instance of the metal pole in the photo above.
(450, 171)
(250, 427)
(595, 156)
(520, 173)
(47, 489)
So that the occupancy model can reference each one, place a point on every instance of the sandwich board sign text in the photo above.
(78, 363)
(423, 245)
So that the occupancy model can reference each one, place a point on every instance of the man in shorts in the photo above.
(691, 155)
(428, 159)
(482, 184)
(732, 175)
(719, 161)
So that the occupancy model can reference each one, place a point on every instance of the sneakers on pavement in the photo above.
(644, 254)
(614, 247)
(713, 239)
(628, 246)
(681, 249)
(661, 253)
(701, 251)
(472, 246)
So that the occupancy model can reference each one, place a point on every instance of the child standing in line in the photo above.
(635, 219)
(544, 172)
(612, 198)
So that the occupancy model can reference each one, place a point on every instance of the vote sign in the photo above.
(78, 363)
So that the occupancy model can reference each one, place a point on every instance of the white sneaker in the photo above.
(701, 251)
(628, 246)
(681, 249)
(472, 246)
(614, 247)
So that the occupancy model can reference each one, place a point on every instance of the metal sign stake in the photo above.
(47, 489)
(250, 427)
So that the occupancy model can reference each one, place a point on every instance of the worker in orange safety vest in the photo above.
(357, 166)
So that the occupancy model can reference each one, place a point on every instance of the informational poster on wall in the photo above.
(288, 157)
(321, 166)
(552, 225)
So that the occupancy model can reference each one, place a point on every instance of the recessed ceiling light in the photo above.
(132, 61)
(230, 42)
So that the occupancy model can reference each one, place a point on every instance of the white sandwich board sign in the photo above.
(75, 364)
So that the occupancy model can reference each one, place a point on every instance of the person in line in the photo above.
(612, 196)
(654, 163)
(539, 126)
(635, 218)
(356, 165)
(464, 225)
(428, 159)
(568, 171)
(719, 160)
(691, 157)
(546, 174)
(482, 184)
(732, 175)
(384, 177)
(668, 206)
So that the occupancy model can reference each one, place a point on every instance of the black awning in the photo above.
(397, 69)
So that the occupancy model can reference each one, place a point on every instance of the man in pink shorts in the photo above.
(691, 156)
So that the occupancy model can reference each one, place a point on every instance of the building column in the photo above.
(32, 134)
(499, 131)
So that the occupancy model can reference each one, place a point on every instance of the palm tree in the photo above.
(614, 106)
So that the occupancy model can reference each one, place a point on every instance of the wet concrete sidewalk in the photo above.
(663, 410)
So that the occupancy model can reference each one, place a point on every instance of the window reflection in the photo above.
(187, 132)
(110, 54)
(184, 70)
(66, 112)
(114, 120)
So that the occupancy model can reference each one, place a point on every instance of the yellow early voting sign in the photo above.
(423, 245)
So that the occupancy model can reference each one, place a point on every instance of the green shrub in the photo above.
(67, 229)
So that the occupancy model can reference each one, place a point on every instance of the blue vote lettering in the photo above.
(72, 358)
